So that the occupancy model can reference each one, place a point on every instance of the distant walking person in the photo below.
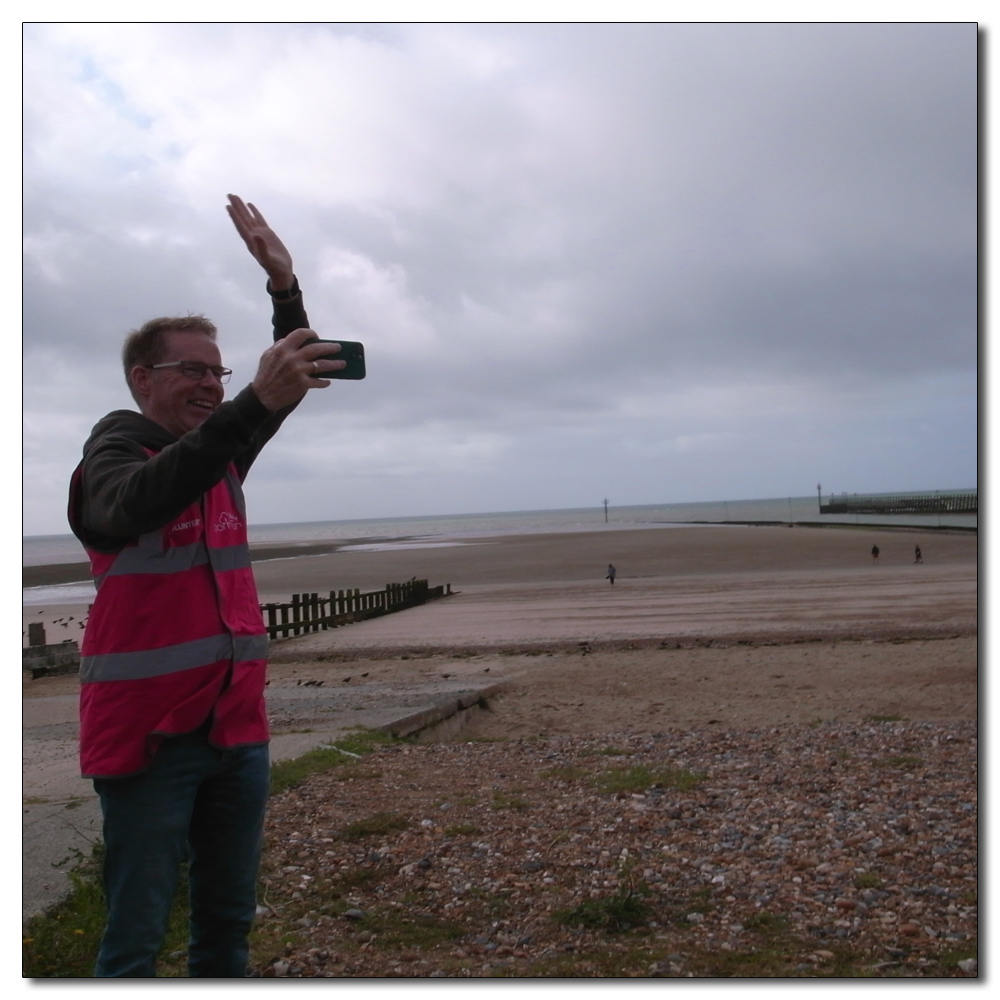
(874, 553)
(612, 573)
(918, 555)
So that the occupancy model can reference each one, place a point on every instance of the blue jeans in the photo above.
(198, 803)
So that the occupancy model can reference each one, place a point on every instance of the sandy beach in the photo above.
(802, 577)
(704, 625)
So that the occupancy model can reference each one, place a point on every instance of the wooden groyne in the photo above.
(313, 613)
(303, 613)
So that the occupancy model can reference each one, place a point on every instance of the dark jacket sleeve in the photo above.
(289, 314)
(121, 492)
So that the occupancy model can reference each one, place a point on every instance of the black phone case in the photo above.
(350, 351)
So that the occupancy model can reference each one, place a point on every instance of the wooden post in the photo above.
(309, 612)
(36, 633)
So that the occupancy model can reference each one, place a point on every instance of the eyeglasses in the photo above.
(195, 370)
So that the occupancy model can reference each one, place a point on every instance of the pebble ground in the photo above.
(800, 851)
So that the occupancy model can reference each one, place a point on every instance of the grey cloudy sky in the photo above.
(656, 263)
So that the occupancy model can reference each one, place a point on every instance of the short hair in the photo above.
(148, 344)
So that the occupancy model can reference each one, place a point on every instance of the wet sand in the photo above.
(552, 586)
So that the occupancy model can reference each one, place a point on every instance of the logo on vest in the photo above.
(186, 524)
(228, 521)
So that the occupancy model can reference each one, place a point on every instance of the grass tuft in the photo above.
(376, 824)
(461, 830)
(766, 923)
(569, 772)
(868, 880)
(640, 777)
(287, 774)
(901, 761)
(620, 912)
(501, 800)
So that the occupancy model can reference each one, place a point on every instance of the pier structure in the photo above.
(954, 502)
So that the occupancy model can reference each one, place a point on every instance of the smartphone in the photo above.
(350, 351)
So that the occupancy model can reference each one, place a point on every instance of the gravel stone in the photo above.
(782, 823)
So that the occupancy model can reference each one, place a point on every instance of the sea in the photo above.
(447, 529)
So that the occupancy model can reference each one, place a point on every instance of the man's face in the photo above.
(177, 403)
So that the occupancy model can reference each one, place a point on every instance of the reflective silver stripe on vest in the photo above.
(250, 647)
(229, 557)
(171, 659)
(236, 491)
(179, 558)
(168, 560)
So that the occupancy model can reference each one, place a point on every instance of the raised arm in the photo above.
(263, 243)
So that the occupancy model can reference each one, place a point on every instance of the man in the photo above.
(173, 729)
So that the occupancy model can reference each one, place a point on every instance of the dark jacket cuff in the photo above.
(288, 293)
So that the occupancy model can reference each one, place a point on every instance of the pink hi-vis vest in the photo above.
(175, 633)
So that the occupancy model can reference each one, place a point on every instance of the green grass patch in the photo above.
(503, 800)
(954, 952)
(634, 954)
(868, 880)
(639, 778)
(62, 943)
(397, 929)
(621, 911)
(774, 953)
(618, 961)
(675, 911)
(771, 962)
(287, 774)
(568, 772)
(461, 830)
(766, 923)
(357, 878)
(377, 824)
(901, 761)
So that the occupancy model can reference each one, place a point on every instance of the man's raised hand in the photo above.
(262, 242)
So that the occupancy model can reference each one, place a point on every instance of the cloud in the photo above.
(641, 236)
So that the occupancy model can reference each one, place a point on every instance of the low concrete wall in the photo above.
(51, 658)
(452, 713)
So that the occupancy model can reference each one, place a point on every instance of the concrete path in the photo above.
(62, 816)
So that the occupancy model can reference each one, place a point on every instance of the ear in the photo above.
(141, 379)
